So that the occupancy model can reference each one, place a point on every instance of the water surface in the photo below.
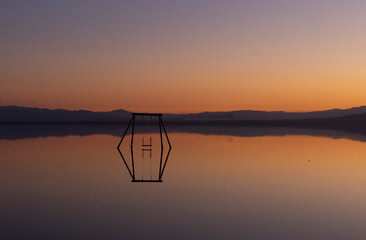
(214, 187)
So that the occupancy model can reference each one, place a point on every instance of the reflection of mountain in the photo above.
(23, 114)
(19, 131)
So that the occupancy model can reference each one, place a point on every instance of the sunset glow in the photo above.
(183, 56)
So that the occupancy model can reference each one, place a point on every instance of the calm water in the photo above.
(214, 187)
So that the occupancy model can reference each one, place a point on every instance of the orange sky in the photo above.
(184, 57)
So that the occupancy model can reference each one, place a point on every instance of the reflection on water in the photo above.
(144, 167)
(215, 187)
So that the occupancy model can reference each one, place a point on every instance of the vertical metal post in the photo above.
(124, 134)
(124, 160)
(133, 131)
(161, 144)
(166, 134)
(166, 160)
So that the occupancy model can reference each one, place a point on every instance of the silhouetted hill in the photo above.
(263, 115)
(25, 114)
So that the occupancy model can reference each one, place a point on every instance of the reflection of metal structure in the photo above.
(146, 147)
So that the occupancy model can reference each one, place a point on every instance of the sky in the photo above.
(183, 56)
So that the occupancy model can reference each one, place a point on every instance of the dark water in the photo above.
(215, 186)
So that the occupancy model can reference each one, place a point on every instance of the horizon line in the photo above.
(217, 111)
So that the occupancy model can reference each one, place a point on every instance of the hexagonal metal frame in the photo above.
(161, 167)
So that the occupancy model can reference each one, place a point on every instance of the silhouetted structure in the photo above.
(146, 146)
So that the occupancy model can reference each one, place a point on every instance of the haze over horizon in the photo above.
(183, 56)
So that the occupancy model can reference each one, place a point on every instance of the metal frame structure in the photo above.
(161, 127)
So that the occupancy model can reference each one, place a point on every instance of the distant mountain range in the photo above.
(26, 114)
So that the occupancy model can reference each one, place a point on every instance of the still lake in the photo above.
(215, 186)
